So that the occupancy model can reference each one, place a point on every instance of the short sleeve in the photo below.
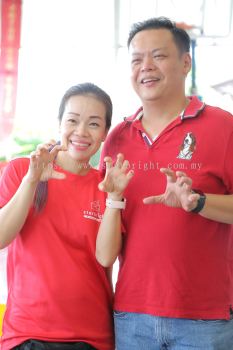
(228, 166)
(11, 178)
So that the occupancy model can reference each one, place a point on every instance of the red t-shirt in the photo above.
(174, 263)
(57, 290)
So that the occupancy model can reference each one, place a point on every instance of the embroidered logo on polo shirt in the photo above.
(94, 212)
(188, 146)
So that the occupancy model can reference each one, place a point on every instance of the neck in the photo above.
(156, 116)
(164, 111)
(71, 165)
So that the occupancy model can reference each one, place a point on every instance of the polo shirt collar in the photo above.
(191, 111)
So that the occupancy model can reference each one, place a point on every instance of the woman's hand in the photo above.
(41, 162)
(116, 177)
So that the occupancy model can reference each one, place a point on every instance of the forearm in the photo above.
(218, 208)
(109, 239)
(14, 213)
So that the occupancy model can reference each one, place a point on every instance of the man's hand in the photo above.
(178, 193)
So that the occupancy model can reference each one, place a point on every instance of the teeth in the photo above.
(149, 80)
(79, 144)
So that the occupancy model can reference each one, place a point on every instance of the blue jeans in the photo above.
(136, 331)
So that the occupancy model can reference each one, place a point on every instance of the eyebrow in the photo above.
(91, 116)
(153, 51)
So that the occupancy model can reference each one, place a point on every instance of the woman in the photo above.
(59, 296)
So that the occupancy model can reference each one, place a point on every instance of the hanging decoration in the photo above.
(10, 44)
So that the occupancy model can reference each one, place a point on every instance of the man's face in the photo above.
(158, 68)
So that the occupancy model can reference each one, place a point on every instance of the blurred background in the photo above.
(49, 45)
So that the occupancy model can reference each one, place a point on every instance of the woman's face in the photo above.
(83, 126)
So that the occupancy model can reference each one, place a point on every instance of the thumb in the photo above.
(152, 200)
(101, 186)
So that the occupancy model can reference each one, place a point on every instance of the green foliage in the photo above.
(23, 147)
(18, 147)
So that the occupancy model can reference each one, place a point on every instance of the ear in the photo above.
(187, 62)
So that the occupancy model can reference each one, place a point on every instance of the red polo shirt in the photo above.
(174, 263)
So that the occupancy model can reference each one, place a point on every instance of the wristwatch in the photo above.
(200, 202)
(110, 203)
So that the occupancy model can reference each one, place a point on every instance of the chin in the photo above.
(78, 158)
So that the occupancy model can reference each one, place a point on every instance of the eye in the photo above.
(71, 121)
(135, 61)
(159, 57)
(94, 125)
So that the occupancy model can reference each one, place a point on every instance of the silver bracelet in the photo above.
(110, 203)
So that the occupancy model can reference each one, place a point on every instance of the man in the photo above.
(174, 288)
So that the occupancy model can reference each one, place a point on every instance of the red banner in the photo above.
(10, 43)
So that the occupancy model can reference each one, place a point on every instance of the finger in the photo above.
(171, 177)
(184, 180)
(108, 162)
(54, 151)
(52, 142)
(33, 154)
(180, 173)
(46, 145)
(125, 165)
(119, 161)
(152, 200)
(188, 187)
(193, 197)
(43, 151)
(192, 202)
(40, 146)
(130, 175)
(33, 158)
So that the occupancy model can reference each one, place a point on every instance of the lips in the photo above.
(149, 80)
(80, 144)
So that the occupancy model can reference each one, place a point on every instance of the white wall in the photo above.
(63, 42)
(69, 41)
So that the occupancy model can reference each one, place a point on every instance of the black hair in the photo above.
(181, 37)
(89, 89)
(83, 89)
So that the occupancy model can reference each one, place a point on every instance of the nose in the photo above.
(81, 129)
(147, 63)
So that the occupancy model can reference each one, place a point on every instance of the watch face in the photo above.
(200, 203)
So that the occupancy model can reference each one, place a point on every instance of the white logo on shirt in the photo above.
(94, 213)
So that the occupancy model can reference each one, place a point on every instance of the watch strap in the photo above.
(110, 203)
(200, 201)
